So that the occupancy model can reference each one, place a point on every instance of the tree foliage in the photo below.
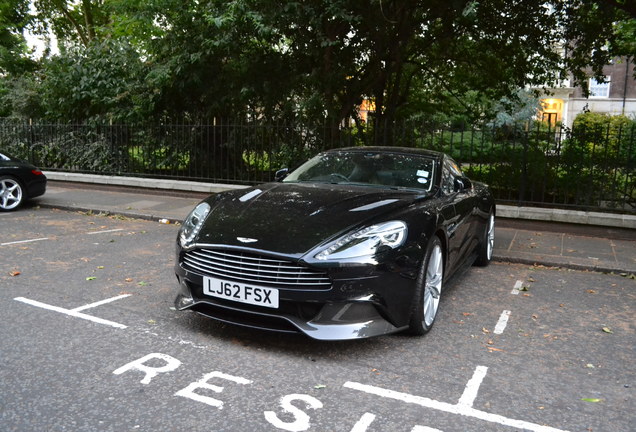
(14, 18)
(313, 60)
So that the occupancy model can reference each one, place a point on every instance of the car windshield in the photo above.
(399, 170)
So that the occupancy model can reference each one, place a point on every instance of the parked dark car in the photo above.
(356, 242)
(19, 181)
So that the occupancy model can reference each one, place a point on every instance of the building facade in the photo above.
(616, 95)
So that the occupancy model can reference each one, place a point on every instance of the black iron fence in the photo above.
(540, 166)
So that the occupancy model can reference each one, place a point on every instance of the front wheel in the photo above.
(487, 243)
(428, 289)
(11, 194)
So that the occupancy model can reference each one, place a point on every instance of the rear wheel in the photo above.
(11, 193)
(487, 243)
(428, 289)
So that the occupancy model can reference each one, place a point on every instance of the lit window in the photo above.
(599, 89)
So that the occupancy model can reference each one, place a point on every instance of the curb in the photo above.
(145, 183)
(614, 220)
(97, 212)
(561, 264)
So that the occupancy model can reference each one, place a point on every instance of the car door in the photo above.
(462, 199)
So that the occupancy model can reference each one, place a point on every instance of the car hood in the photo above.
(293, 218)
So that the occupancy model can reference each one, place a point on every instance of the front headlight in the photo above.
(365, 242)
(192, 224)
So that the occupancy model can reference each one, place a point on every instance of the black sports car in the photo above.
(356, 242)
(19, 181)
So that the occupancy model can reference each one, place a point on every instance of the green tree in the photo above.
(71, 21)
(317, 60)
(14, 18)
(103, 82)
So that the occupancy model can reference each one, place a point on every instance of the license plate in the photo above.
(240, 292)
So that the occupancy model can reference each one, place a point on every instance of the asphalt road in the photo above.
(90, 342)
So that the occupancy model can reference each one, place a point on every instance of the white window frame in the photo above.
(599, 89)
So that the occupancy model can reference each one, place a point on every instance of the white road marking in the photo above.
(150, 372)
(24, 241)
(472, 387)
(424, 429)
(503, 321)
(99, 303)
(301, 418)
(364, 422)
(70, 312)
(189, 391)
(517, 288)
(106, 231)
(460, 409)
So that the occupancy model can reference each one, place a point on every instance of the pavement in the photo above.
(540, 243)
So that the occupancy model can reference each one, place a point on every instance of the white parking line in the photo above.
(364, 422)
(517, 288)
(464, 407)
(472, 387)
(24, 241)
(70, 312)
(503, 321)
(424, 429)
(105, 231)
(99, 303)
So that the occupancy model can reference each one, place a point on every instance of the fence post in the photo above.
(524, 167)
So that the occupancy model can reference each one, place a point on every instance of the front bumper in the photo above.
(363, 301)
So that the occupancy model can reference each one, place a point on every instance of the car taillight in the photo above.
(36, 172)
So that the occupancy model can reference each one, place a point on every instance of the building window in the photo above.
(600, 89)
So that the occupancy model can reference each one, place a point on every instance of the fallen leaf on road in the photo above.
(320, 386)
(90, 278)
(607, 330)
(15, 273)
(591, 400)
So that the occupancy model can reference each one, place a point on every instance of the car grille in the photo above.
(254, 268)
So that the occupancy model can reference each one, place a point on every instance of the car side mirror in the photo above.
(462, 184)
(281, 174)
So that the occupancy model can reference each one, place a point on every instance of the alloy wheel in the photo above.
(490, 236)
(433, 287)
(10, 194)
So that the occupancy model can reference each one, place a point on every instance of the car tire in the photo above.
(428, 289)
(11, 193)
(487, 243)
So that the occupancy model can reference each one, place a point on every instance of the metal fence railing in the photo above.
(540, 166)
